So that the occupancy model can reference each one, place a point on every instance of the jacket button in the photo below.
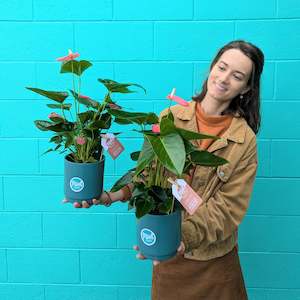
(221, 173)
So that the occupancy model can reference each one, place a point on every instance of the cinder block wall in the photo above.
(50, 251)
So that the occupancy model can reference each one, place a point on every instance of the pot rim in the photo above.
(85, 163)
(165, 215)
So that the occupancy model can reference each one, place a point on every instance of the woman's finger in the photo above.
(181, 248)
(155, 262)
(85, 204)
(140, 256)
(77, 205)
(96, 202)
(135, 247)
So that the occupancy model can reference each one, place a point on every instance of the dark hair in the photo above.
(249, 106)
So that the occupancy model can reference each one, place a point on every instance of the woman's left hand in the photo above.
(180, 250)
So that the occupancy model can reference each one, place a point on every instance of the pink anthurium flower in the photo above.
(70, 56)
(84, 97)
(54, 115)
(155, 128)
(177, 99)
(80, 140)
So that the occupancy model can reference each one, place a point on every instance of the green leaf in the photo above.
(167, 125)
(135, 155)
(103, 122)
(75, 67)
(86, 101)
(57, 147)
(146, 156)
(165, 207)
(46, 126)
(69, 139)
(139, 118)
(205, 158)
(86, 116)
(158, 193)
(58, 119)
(192, 135)
(56, 139)
(60, 106)
(189, 147)
(49, 150)
(56, 96)
(122, 121)
(170, 151)
(144, 207)
(124, 180)
(116, 87)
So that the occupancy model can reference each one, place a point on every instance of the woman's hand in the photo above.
(107, 198)
(180, 251)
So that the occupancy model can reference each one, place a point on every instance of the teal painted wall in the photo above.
(50, 251)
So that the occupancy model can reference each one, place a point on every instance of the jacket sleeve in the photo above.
(220, 216)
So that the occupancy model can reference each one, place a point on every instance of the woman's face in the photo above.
(229, 76)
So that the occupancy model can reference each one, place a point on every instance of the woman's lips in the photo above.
(220, 87)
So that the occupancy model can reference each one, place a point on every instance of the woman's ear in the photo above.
(245, 90)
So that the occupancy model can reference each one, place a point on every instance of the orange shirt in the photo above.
(211, 124)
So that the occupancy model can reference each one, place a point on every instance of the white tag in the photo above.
(184, 193)
(107, 140)
(111, 144)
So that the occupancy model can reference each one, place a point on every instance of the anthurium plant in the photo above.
(75, 130)
(168, 151)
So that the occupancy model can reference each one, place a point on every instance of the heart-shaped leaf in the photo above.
(53, 95)
(60, 106)
(192, 135)
(75, 67)
(205, 158)
(116, 87)
(170, 151)
(146, 156)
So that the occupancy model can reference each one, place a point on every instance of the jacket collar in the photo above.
(236, 131)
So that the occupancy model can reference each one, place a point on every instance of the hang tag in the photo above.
(183, 192)
(110, 143)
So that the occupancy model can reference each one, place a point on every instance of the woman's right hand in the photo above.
(106, 199)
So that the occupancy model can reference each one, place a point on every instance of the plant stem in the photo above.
(75, 101)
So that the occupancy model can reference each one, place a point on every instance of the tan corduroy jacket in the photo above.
(212, 231)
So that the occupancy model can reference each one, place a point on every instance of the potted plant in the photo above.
(168, 151)
(78, 132)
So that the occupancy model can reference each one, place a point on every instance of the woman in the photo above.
(207, 265)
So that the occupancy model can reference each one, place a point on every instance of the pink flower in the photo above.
(155, 128)
(84, 97)
(54, 115)
(80, 140)
(177, 99)
(70, 56)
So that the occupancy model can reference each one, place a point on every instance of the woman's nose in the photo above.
(224, 77)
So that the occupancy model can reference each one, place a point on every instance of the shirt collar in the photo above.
(236, 131)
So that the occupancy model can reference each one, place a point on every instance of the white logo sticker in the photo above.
(148, 237)
(76, 184)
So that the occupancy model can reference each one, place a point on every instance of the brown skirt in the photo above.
(185, 279)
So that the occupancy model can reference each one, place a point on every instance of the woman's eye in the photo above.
(221, 68)
(237, 78)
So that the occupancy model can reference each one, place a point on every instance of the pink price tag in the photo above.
(184, 193)
(115, 148)
(111, 144)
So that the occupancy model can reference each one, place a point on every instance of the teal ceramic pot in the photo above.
(159, 236)
(83, 181)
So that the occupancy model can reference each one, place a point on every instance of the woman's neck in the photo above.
(212, 106)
